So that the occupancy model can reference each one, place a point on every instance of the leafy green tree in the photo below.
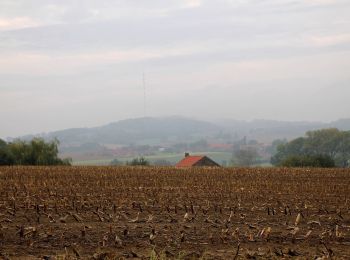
(342, 157)
(327, 142)
(294, 147)
(321, 161)
(5, 155)
(19, 151)
(272, 149)
(324, 141)
(3, 144)
(34, 152)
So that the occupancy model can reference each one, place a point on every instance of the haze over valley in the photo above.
(71, 65)
(169, 137)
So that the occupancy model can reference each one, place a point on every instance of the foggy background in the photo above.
(80, 63)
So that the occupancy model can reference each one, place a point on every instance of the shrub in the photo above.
(138, 161)
(321, 161)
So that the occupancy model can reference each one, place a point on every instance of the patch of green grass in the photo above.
(171, 157)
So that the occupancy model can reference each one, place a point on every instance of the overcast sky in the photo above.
(66, 63)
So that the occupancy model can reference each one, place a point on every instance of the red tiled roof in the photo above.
(189, 161)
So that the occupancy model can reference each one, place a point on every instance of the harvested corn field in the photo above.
(161, 213)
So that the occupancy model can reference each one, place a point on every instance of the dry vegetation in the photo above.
(158, 213)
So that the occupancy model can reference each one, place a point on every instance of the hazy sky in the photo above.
(66, 63)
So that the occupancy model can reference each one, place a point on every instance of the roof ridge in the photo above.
(190, 160)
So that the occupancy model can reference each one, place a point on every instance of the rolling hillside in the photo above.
(153, 130)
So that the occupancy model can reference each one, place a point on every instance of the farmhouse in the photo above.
(190, 161)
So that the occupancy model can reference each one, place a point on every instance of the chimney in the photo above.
(187, 154)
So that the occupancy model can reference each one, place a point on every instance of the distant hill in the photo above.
(341, 124)
(269, 130)
(154, 131)
(136, 131)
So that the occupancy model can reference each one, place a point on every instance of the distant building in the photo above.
(221, 147)
(196, 160)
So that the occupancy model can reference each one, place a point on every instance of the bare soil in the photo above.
(169, 213)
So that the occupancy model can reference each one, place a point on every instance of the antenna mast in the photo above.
(144, 94)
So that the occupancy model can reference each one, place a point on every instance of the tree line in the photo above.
(319, 148)
(34, 152)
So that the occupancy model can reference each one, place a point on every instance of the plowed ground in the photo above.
(161, 213)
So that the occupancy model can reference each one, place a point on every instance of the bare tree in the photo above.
(245, 157)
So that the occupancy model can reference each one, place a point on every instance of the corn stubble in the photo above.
(164, 212)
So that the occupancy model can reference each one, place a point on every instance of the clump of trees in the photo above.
(34, 152)
(139, 161)
(320, 148)
(116, 162)
(320, 161)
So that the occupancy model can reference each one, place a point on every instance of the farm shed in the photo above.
(196, 160)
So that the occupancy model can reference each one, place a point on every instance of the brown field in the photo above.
(161, 213)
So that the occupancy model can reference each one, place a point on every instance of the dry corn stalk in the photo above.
(64, 219)
(251, 237)
(75, 251)
(230, 217)
(314, 222)
(118, 241)
(186, 217)
(297, 220)
(308, 234)
(135, 219)
(295, 231)
(337, 232)
(77, 217)
(152, 236)
(150, 218)
(265, 232)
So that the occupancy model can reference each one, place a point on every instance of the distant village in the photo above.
(262, 152)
